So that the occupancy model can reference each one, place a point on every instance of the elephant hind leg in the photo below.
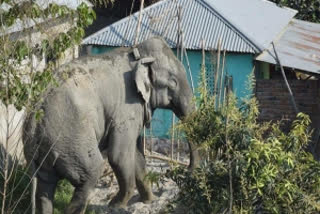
(88, 179)
(46, 186)
(79, 200)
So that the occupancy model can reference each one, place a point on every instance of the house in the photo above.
(298, 48)
(32, 31)
(235, 26)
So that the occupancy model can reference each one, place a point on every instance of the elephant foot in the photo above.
(120, 201)
(117, 205)
(149, 199)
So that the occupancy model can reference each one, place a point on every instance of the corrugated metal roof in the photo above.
(246, 26)
(260, 21)
(199, 21)
(298, 47)
(20, 25)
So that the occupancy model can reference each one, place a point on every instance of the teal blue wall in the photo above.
(96, 50)
(239, 66)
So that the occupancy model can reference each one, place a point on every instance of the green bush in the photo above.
(62, 196)
(248, 167)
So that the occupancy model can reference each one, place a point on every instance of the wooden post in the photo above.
(139, 23)
(33, 195)
(189, 69)
(127, 28)
(144, 140)
(172, 138)
(203, 53)
(286, 81)
(151, 141)
(166, 159)
(203, 66)
(178, 148)
(221, 77)
(217, 71)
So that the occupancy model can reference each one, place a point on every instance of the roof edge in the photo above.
(252, 41)
(120, 21)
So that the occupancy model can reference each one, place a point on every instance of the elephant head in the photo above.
(161, 79)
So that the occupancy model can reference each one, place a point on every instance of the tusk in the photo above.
(136, 53)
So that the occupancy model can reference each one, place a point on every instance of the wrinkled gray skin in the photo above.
(100, 106)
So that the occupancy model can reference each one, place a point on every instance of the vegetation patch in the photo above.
(248, 167)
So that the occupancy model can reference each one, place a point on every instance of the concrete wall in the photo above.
(11, 122)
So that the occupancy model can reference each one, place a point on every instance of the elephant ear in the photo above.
(141, 77)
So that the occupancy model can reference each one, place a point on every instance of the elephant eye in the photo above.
(172, 83)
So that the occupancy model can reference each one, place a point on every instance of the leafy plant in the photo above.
(248, 167)
(17, 198)
(62, 196)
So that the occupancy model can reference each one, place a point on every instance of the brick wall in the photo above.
(275, 103)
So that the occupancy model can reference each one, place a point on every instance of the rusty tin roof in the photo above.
(298, 47)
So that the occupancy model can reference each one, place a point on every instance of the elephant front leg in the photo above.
(121, 156)
(143, 185)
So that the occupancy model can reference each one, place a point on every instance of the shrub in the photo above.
(17, 199)
(248, 167)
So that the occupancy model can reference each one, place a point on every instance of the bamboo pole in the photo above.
(144, 139)
(127, 29)
(139, 23)
(189, 69)
(203, 66)
(166, 159)
(221, 77)
(172, 137)
(180, 32)
(218, 67)
(286, 81)
(203, 53)
(178, 148)
(151, 141)
(229, 152)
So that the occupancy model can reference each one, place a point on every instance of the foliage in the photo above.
(21, 83)
(62, 196)
(309, 10)
(17, 199)
(248, 166)
(25, 85)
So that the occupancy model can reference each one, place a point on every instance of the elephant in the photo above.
(100, 106)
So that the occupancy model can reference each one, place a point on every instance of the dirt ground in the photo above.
(108, 187)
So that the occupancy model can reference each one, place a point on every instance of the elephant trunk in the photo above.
(194, 153)
(186, 107)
